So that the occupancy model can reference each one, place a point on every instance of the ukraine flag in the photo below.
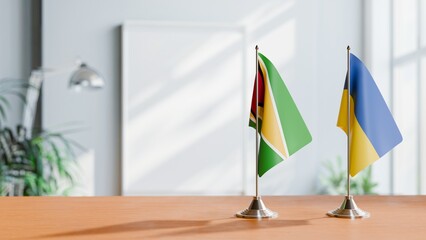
(373, 131)
(281, 127)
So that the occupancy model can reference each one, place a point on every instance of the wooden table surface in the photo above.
(300, 217)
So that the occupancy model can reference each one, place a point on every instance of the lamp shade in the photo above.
(86, 77)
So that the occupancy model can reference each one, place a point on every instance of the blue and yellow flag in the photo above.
(373, 129)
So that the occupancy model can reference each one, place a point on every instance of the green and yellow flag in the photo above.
(281, 127)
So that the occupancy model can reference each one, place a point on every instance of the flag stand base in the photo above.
(257, 209)
(348, 209)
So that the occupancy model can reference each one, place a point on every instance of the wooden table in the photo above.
(207, 218)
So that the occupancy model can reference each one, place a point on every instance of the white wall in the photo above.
(377, 56)
(305, 39)
(15, 47)
(394, 51)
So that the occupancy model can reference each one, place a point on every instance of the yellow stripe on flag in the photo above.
(342, 121)
(270, 121)
(362, 151)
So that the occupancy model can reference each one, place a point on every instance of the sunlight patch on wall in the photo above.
(405, 113)
(266, 12)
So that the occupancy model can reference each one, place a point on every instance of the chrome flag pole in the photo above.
(257, 208)
(348, 209)
(257, 122)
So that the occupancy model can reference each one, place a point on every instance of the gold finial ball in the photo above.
(349, 48)
(257, 47)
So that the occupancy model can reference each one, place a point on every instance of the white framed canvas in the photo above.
(183, 108)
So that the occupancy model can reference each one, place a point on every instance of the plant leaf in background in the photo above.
(333, 180)
(11, 88)
(38, 165)
(40, 162)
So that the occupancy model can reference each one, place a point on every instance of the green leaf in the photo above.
(335, 178)
(46, 160)
(4, 101)
(2, 113)
(31, 185)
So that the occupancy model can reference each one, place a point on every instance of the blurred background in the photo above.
(172, 115)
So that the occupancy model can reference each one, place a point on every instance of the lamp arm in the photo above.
(48, 72)
(84, 76)
(32, 97)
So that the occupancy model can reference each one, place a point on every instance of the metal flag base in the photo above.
(257, 209)
(348, 209)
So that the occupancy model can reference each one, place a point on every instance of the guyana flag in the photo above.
(281, 127)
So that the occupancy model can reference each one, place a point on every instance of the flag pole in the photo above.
(348, 209)
(257, 122)
(257, 208)
(349, 121)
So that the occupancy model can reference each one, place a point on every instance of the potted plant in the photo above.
(32, 166)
